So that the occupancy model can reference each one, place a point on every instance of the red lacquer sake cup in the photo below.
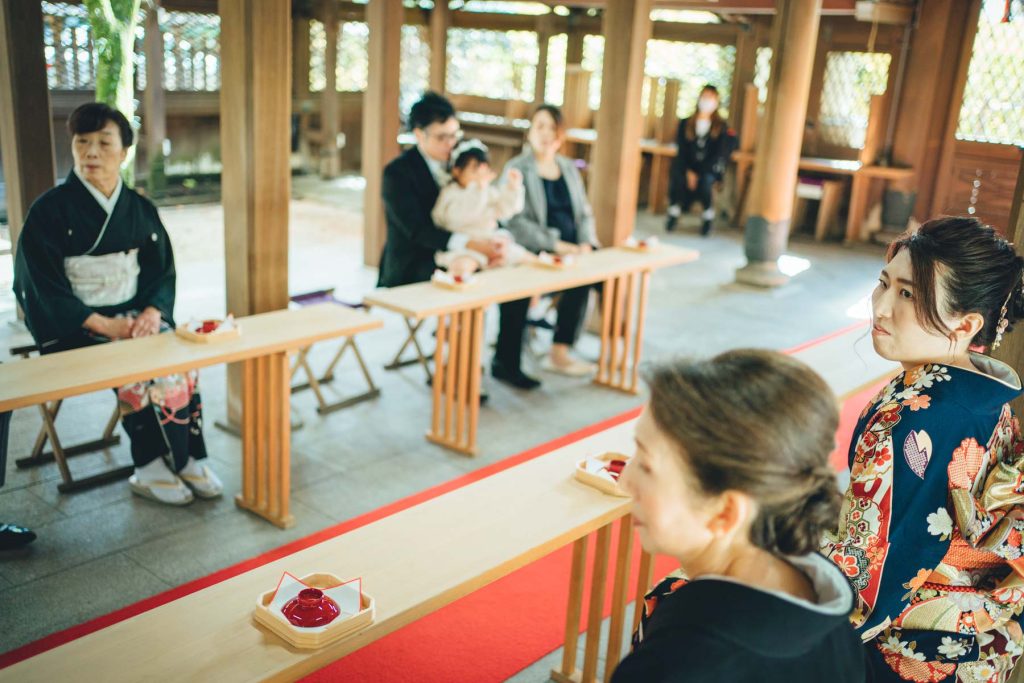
(310, 609)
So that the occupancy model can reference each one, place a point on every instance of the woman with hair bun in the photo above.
(930, 530)
(731, 477)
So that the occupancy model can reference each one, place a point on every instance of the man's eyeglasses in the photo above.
(447, 137)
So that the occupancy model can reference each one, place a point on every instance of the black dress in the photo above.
(715, 630)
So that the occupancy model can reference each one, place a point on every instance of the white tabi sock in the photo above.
(154, 471)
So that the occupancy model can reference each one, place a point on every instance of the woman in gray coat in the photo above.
(557, 219)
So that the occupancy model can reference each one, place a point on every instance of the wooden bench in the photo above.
(263, 347)
(460, 324)
(413, 562)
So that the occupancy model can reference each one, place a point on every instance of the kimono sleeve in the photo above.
(157, 276)
(986, 487)
(51, 308)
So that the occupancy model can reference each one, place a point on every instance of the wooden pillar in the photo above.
(746, 65)
(300, 57)
(380, 116)
(255, 111)
(330, 153)
(794, 35)
(543, 38)
(928, 87)
(154, 120)
(25, 135)
(615, 177)
(1011, 351)
(440, 20)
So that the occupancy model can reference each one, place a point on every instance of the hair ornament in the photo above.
(467, 145)
(1004, 321)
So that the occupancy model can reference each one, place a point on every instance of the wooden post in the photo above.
(543, 38)
(923, 106)
(154, 120)
(25, 135)
(794, 35)
(440, 20)
(255, 106)
(746, 65)
(330, 153)
(380, 120)
(300, 57)
(1011, 351)
(615, 177)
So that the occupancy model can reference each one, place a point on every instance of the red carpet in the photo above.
(488, 635)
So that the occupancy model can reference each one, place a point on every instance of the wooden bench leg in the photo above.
(266, 437)
(620, 596)
(573, 611)
(421, 358)
(622, 326)
(644, 579)
(456, 408)
(40, 457)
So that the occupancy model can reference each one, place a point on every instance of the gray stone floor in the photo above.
(102, 549)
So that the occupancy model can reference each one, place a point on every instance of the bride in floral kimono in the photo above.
(930, 531)
(94, 265)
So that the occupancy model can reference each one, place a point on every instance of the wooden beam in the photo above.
(330, 153)
(154, 120)
(615, 176)
(380, 119)
(440, 20)
(927, 88)
(25, 135)
(255, 105)
(794, 37)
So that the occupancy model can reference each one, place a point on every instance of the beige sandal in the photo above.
(166, 492)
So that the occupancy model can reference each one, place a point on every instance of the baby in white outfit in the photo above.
(471, 204)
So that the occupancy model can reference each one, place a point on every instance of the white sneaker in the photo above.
(574, 368)
(167, 492)
(202, 480)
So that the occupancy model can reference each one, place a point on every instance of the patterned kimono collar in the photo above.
(991, 384)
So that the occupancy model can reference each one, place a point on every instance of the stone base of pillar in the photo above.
(761, 274)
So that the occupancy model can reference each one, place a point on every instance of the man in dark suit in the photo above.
(410, 188)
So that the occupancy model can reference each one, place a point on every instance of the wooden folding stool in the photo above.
(315, 383)
(59, 453)
(421, 358)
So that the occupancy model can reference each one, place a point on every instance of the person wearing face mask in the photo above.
(557, 218)
(930, 530)
(704, 144)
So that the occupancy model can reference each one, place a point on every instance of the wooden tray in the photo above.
(455, 286)
(552, 265)
(313, 638)
(210, 337)
(600, 483)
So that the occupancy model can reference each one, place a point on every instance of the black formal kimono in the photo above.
(409, 192)
(74, 259)
(713, 630)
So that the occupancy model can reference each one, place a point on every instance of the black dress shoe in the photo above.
(670, 223)
(13, 536)
(517, 378)
(705, 228)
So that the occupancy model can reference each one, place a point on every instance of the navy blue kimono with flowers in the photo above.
(930, 530)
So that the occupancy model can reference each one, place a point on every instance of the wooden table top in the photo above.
(532, 509)
(34, 380)
(426, 300)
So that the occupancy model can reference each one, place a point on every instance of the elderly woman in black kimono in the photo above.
(94, 265)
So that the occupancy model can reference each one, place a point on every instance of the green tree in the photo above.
(113, 28)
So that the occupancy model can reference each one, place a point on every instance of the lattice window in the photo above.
(414, 76)
(554, 84)
(191, 50)
(993, 106)
(497, 64)
(593, 61)
(505, 7)
(762, 72)
(67, 44)
(694, 65)
(851, 78)
(352, 68)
